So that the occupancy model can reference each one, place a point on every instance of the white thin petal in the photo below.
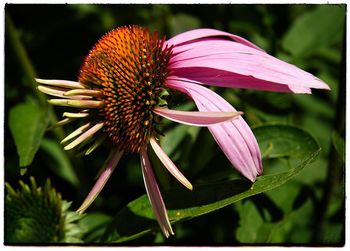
(60, 92)
(196, 118)
(163, 157)
(61, 123)
(87, 134)
(75, 114)
(77, 103)
(154, 194)
(61, 83)
(57, 92)
(76, 133)
(84, 92)
(106, 172)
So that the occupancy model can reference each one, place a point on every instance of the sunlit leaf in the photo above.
(278, 141)
(27, 122)
(137, 217)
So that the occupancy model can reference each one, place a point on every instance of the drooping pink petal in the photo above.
(231, 64)
(234, 137)
(206, 33)
(169, 164)
(154, 194)
(196, 118)
(106, 172)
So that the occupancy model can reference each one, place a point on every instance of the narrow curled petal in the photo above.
(169, 164)
(154, 194)
(236, 64)
(59, 92)
(77, 103)
(87, 134)
(234, 137)
(96, 144)
(76, 133)
(53, 91)
(75, 114)
(196, 118)
(60, 83)
(106, 172)
(85, 92)
(62, 122)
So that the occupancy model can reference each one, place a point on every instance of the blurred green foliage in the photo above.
(51, 41)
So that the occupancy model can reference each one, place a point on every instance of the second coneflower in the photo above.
(121, 90)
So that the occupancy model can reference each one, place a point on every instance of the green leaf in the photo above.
(278, 141)
(252, 228)
(255, 227)
(137, 217)
(61, 164)
(316, 29)
(27, 122)
(94, 225)
(173, 138)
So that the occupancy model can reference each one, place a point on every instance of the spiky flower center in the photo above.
(38, 215)
(129, 67)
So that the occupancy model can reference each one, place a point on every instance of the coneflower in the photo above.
(121, 90)
(35, 214)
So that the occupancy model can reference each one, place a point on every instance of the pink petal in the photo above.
(234, 137)
(196, 118)
(240, 65)
(163, 157)
(106, 172)
(227, 79)
(205, 33)
(154, 194)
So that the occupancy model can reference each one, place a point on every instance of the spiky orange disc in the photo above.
(129, 66)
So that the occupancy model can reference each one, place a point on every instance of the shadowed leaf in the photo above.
(202, 200)
(27, 122)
